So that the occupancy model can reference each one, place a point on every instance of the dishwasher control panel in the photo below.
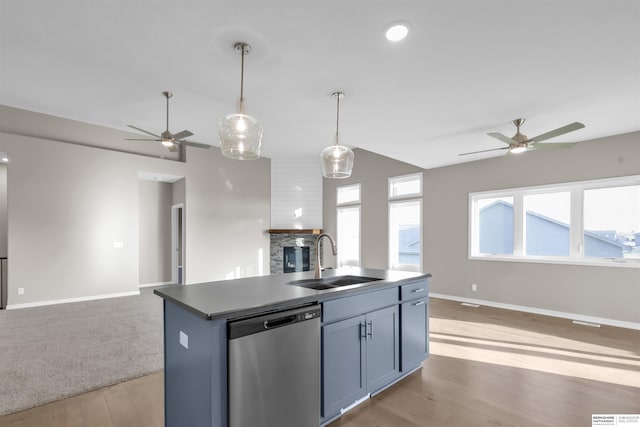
(252, 325)
(309, 315)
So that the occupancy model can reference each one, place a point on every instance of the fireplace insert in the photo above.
(296, 258)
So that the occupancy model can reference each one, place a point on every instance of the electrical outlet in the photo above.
(20, 291)
(474, 287)
(184, 340)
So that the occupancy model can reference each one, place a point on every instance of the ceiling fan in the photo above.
(520, 143)
(168, 139)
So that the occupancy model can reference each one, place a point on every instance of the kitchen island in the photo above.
(372, 335)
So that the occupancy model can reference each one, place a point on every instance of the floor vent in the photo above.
(468, 304)
(580, 322)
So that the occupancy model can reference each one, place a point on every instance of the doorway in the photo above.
(177, 244)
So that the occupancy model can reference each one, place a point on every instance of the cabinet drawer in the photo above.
(358, 304)
(414, 333)
(414, 290)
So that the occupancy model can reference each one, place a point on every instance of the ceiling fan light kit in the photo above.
(166, 138)
(240, 134)
(520, 143)
(397, 31)
(337, 160)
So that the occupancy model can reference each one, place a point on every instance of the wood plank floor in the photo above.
(488, 367)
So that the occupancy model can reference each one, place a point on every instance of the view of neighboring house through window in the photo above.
(405, 217)
(612, 215)
(495, 230)
(588, 221)
(547, 223)
(348, 225)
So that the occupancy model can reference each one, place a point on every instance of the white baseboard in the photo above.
(533, 310)
(150, 285)
(67, 300)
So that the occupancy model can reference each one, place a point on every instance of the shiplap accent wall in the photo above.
(296, 183)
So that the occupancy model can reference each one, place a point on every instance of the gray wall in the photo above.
(605, 292)
(372, 171)
(69, 203)
(154, 222)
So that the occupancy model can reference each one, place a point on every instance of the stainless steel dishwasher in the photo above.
(274, 369)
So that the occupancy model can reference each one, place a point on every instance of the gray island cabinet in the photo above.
(371, 335)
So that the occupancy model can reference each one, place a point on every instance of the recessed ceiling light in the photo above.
(397, 31)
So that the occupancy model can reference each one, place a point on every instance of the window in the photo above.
(612, 215)
(348, 225)
(348, 194)
(405, 217)
(349, 236)
(405, 186)
(588, 222)
(495, 231)
(547, 223)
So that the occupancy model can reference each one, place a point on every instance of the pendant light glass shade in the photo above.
(240, 134)
(240, 137)
(337, 160)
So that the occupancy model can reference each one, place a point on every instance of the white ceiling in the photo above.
(468, 67)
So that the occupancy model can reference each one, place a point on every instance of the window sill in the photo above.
(567, 261)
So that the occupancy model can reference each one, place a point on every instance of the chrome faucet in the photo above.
(334, 249)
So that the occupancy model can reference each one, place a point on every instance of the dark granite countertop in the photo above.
(229, 299)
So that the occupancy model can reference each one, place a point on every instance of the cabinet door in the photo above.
(415, 326)
(383, 364)
(342, 364)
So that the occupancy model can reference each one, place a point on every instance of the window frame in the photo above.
(576, 230)
(404, 198)
(349, 202)
(349, 205)
(338, 209)
(404, 267)
(404, 178)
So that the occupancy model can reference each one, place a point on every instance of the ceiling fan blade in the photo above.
(540, 146)
(557, 132)
(194, 144)
(144, 131)
(501, 137)
(140, 139)
(484, 151)
(182, 135)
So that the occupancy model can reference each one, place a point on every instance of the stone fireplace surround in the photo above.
(281, 239)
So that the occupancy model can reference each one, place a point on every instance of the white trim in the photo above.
(541, 311)
(587, 262)
(179, 207)
(67, 300)
(150, 285)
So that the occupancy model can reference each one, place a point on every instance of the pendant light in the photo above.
(240, 134)
(337, 160)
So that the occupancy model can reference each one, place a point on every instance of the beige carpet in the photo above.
(52, 352)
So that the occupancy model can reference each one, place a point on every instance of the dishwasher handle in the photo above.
(269, 324)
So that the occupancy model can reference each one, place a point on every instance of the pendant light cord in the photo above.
(337, 118)
(167, 96)
(242, 75)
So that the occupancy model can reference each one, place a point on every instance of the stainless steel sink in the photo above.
(331, 282)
